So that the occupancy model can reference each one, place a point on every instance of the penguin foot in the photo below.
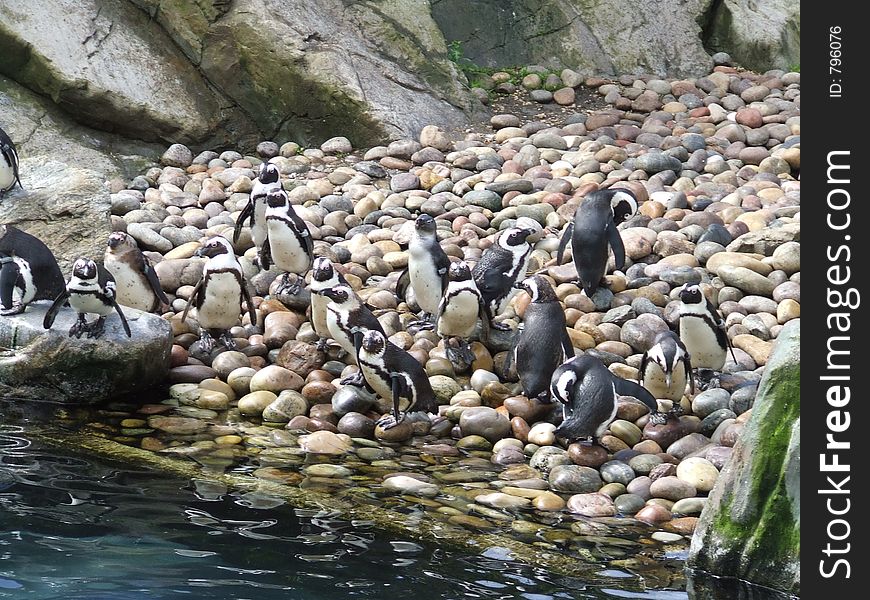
(500, 326)
(206, 342)
(322, 344)
(79, 327)
(16, 309)
(356, 379)
(389, 421)
(422, 325)
(460, 356)
(97, 328)
(228, 341)
(658, 418)
(287, 287)
(676, 411)
(707, 379)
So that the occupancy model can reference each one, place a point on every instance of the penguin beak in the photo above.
(519, 286)
(668, 380)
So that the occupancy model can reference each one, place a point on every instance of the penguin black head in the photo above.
(277, 199)
(268, 173)
(214, 247)
(338, 294)
(459, 271)
(121, 241)
(424, 224)
(85, 268)
(374, 342)
(623, 203)
(322, 269)
(691, 294)
(538, 288)
(665, 350)
(513, 237)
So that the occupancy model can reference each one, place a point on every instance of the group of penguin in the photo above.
(453, 299)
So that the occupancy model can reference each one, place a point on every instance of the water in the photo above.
(75, 528)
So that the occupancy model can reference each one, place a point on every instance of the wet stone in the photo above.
(628, 504)
(591, 505)
(574, 479)
(616, 471)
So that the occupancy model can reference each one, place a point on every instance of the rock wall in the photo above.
(750, 527)
(758, 34)
(662, 37)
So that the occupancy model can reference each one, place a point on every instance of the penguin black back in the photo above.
(47, 276)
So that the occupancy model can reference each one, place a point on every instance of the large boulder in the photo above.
(589, 36)
(758, 34)
(110, 66)
(750, 526)
(48, 365)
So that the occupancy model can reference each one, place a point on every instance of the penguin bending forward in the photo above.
(268, 179)
(288, 242)
(427, 270)
(592, 231)
(136, 281)
(702, 330)
(541, 343)
(501, 266)
(458, 312)
(395, 374)
(666, 368)
(8, 164)
(324, 276)
(91, 290)
(589, 392)
(28, 271)
(219, 294)
(348, 320)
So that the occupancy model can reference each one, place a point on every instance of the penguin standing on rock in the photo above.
(589, 392)
(427, 269)
(91, 290)
(702, 331)
(593, 230)
(666, 368)
(8, 164)
(324, 276)
(28, 271)
(541, 343)
(136, 280)
(500, 268)
(395, 374)
(268, 179)
(458, 312)
(219, 294)
(348, 320)
(288, 242)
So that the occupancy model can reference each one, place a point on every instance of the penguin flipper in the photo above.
(192, 299)
(563, 243)
(397, 383)
(154, 281)
(484, 316)
(247, 213)
(124, 323)
(624, 387)
(51, 313)
(402, 284)
(9, 273)
(567, 346)
(8, 151)
(687, 364)
(509, 359)
(265, 255)
(616, 245)
(252, 312)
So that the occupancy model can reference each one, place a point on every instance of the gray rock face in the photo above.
(759, 34)
(48, 365)
(750, 527)
(597, 36)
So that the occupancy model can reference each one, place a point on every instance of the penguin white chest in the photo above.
(374, 374)
(702, 343)
(26, 293)
(655, 381)
(258, 230)
(337, 333)
(130, 288)
(459, 316)
(287, 253)
(88, 303)
(318, 314)
(7, 175)
(425, 280)
(220, 307)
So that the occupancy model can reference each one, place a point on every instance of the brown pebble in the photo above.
(586, 455)
(178, 356)
(520, 429)
(318, 392)
(653, 513)
(613, 443)
(684, 525)
(298, 422)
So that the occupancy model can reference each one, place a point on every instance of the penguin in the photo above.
(136, 281)
(500, 268)
(8, 164)
(394, 374)
(589, 392)
(427, 270)
(324, 276)
(541, 343)
(268, 179)
(593, 229)
(218, 295)
(666, 368)
(702, 329)
(348, 320)
(288, 242)
(91, 290)
(32, 270)
(458, 312)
